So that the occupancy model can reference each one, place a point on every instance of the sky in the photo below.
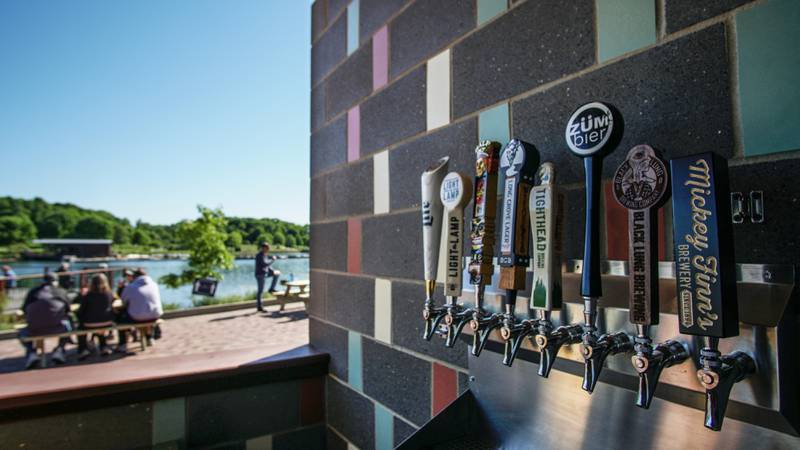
(148, 108)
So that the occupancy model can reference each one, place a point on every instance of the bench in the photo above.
(144, 328)
(296, 291)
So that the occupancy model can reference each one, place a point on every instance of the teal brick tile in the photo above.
(493, 124)
(384, 428)
(488, 9)
(769, 62)
(354, 371)
(352, 27)
(624, 26)
(169, 420)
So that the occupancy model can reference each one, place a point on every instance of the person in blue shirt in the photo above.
(263, 270)
(11, 277)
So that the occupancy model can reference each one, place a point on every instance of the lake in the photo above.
(240, 280)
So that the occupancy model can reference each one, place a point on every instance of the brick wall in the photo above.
(397, 84)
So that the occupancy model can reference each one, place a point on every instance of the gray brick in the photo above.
(329, 50)
(351, 302)
(227, 415)
(573, 229)
(318, 18)
(349, 190)
(317, 300)
(407, 324)
(424, 28)
(395, 113)
(329, 146)
(351, 81)
(351, 414)
(684, 13)
(533, 44)
(402, 430)
(317, 206)
(333, 441)
(332, 340)
(328, 246)
(391, 245)
(777, 239)
(408, 161)
(391, 376)
(318, 107)
(309, 438)
(463, 382)
(678, 101)
(335, 7)
(373, 14)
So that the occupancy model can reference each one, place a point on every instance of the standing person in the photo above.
(263, 270)
(11, 277)
(46, 309)
(141, 303)
(95, 312)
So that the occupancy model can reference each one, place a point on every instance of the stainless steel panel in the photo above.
(529, 412)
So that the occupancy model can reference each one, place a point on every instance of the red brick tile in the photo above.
(354, 245)
(445, 387)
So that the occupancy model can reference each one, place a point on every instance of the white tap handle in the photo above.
(456, 192)
(432, 216)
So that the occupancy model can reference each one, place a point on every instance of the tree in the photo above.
(205, 238)
(234, 240)
(16, 230)
(290, 241)
(140, 237)
(279, 238)
(92, 227)
(57, 224)
(122, 233)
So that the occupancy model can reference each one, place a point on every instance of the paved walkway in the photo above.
(188, 344)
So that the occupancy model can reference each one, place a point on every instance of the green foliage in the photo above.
(205, 238)
(18, 229)
(234, 240)
(61, 220)
(234, 298)
(170, 306)
(93, 228)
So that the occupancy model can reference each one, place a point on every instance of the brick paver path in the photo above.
(197, 335)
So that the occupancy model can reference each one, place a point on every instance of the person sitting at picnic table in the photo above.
(126, 280)
(141, 300)
(46, 309)
(65, 281)
(11, 277)
(95, 312)
(263, 270)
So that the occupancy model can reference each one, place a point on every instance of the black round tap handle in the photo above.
(593, 130)
(591, 285)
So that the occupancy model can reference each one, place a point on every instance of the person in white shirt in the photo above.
(142, 303)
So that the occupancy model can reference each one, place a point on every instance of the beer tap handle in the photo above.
(456, 192)
(591, 285)
(706, 275)
(432, 207)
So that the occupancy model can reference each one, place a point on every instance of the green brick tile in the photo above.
(169, 420)
(624, 26)
(493, 124)
(488, 9)
(354, 371)
(384, 428)
(769, 63)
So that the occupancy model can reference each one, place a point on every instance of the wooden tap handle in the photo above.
(484, 207)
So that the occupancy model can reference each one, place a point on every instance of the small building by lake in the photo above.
(82, 248)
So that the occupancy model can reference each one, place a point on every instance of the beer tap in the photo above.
(455, 194)
(706, 274)
(640, 185)
(481, 269)
(518, 164)
(594, 129)
(546, 212)
(432, 207)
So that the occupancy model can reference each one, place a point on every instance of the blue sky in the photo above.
(147, 108)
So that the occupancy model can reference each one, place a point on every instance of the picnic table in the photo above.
(295, 291)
